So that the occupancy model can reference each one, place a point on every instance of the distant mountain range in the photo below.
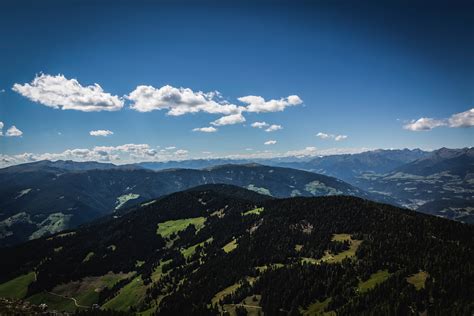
(220, 249)
(47, 197)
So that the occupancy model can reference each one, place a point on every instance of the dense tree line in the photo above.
(398, 241)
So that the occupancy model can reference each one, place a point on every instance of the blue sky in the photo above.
(362, 71)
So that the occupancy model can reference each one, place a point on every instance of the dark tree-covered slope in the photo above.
(216, 249)
(43, 198)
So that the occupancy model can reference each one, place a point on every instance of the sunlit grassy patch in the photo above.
(376, 278)
(85, 292)
(121, 200)
(188, 252)
(231, 246)
(255, 211)
(158, 272)
(269, 266)
(130, 295)
(336, 258)
(54, 302)
(418, 279)
(17, 287)
(88, 256)
(166, 229)
(317, 308)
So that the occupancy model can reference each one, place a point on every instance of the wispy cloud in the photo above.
(270, 142)
(337, 138)
(208, 129)
(464, 119)
(273, 128)
(101, 132)
(259, 124)
(59, 92)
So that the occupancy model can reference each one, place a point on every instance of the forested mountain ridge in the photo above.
(441, 184)
(47, 197)
(213, 249)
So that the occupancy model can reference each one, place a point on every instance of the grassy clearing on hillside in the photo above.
(230, 289)
(88, 256)
(188, 252)
(341, 237)
(250, 303)
(54, 302)
(85, 292)
(18, 287)
(255, 211)
(221, 294)
(336, 258)
(263, 191)
(54, 223)
(166, 229)
(376, 278)
(418, 279)
(130, 295)
(231, 246)
(270, 266)
(317, 308)
(158, 272)
(121, 200)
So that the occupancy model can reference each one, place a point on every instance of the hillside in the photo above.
(441, 184)
(221, 248)
(349, 167)
(43, 198)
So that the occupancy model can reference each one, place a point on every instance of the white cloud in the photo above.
(307, 151)
(229, 120)
(1, 128)
(208, 129)
(101, 132)
(178, 101)
(127, 153)
(258, 104)
(59, 92)
(13, 132)
(337, 138)
(270, 142)
(424, 124)
(170, 148)
(323, 135)
(132, 153)
(259, 124)
(181, 152)
(340, 137)
(463, 119)
(273, 128)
